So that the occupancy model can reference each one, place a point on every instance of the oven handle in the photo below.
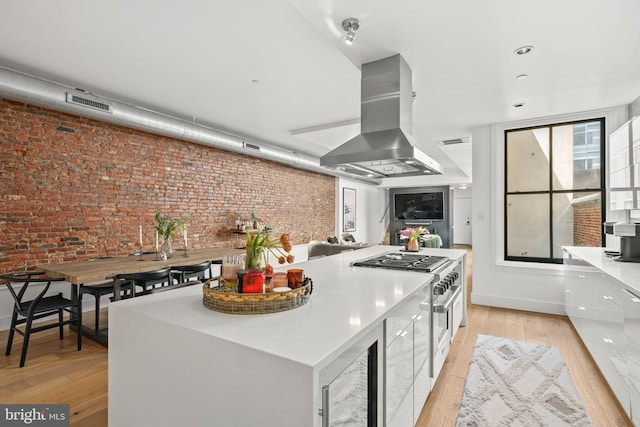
(443, 308)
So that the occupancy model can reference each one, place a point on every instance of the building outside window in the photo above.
(554, 189)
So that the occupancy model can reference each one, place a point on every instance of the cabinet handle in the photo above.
(634, 297)
(325, 406)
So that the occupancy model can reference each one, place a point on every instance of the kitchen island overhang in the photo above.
(170, 355)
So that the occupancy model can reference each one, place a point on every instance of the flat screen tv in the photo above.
(419, 206)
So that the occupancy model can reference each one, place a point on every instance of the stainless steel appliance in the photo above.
(404, 261)
(447, 313)
(629, 234)
(446, 295)
(385, 147)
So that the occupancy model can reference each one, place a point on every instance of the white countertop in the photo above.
(346, 303)
(626, 272)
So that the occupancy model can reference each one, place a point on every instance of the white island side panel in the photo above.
(161, 375)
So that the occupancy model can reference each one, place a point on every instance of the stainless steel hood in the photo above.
(385, 147)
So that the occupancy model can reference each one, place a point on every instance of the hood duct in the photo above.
(34, 91)
(385, 146)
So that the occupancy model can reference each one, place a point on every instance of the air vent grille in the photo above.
(85, 101)
(452, 141)
(250, 146)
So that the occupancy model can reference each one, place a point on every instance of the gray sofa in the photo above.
(319, 248)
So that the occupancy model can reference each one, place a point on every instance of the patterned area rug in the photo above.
(516, 384)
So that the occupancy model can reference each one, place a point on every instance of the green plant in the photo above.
(166, 226)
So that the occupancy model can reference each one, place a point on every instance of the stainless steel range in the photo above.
(404, 261)
(446, 295)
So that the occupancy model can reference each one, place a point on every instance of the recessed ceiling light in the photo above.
(523, 50)
(521, 76)
(518, 105)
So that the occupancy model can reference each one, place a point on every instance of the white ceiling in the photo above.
(277, 70)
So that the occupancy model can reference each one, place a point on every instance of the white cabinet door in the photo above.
(399, 380)
(609, 340)
(421, 358)
(630, 301)
(624, 166)
(619, 157)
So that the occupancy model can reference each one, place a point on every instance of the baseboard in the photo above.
(518, 304)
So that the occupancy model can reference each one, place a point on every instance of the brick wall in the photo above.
(75, 188)
(587, 224)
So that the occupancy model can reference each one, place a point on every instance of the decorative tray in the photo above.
(227, 300)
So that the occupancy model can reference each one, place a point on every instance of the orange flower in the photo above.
(268, 270)
(290, 258)
(260, 244)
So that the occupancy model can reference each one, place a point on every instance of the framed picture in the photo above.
(348, 209)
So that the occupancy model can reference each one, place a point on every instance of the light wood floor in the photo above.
(56, 373)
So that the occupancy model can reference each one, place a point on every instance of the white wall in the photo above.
(371, 206)
(524, 286)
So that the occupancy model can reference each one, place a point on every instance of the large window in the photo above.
(554, 189)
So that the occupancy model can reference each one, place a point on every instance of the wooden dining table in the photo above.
(83, 272)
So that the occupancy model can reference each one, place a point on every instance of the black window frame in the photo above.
(551, 191)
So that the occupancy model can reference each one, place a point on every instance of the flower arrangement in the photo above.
(165, 226)
(412, 233)
(260, 244)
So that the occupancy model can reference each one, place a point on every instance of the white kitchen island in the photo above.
(173, 362)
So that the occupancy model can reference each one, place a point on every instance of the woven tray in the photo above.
(227, 300)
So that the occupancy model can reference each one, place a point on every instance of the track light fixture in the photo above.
(350, 25)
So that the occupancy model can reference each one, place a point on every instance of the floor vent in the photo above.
(86, 101)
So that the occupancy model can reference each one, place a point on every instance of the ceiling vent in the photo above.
(453, 141)
(88, 101)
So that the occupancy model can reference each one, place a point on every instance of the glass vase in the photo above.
(166, 249)
(412, 245)
(254, 257)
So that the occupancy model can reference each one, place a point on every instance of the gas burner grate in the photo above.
(408, 262)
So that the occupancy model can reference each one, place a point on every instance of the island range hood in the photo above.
(385, 146)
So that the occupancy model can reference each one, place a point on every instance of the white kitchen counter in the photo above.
(626, 272)
(170, 357)
(601, 299)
